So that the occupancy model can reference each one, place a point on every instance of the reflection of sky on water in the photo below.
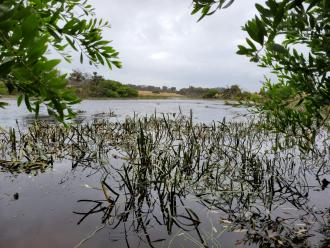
(203, 110)
(42, 216)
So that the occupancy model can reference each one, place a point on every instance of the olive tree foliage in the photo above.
(292, 37)
(29, 30)
(209, 7)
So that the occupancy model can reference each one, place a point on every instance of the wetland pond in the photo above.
(159, 173)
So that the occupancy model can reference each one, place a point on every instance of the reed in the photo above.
(157, 163)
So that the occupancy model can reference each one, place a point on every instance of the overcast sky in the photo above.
(160, 43)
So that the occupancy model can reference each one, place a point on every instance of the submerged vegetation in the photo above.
(265, 179)
(165, 171)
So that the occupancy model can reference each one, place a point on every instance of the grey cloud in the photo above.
(161, 43)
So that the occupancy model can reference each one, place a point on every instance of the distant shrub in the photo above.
(211, 93)
(108, 88)
(193, 91)
(111, 94)
(232, 92)
(126, 91)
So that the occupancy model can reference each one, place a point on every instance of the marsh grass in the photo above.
(153, 168)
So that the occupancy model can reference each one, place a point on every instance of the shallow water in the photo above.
(203, 110)
(46, 209)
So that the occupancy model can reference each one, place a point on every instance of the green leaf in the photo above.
(196, 9)
(81, 58)
(261, 31)
(5, 68)
(27, 103)
(37, 48)
(263, 11)
(71, 42)
(37, 108)
(279, 14)
(278, 48)
(57, 83)
(228, 4)
(3, 104)
(118, 64)
(242, 50)
(50, 64)
(251, 44)
(19, 100)
(30, 27)
(252, 29)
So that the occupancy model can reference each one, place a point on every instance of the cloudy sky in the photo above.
(160, 43)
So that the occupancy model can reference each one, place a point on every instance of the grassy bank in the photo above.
(110, 89)
(150, 94)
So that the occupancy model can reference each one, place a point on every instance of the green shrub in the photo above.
(3, 89)
(107, 88)
(111, 93)
(231, 93)
(211, 93)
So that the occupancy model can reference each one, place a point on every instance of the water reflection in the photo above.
(169, 182)
(91, 109)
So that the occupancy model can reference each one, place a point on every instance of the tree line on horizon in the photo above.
(95, 85)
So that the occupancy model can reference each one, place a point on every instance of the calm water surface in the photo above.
(203, 110)
(46, 209)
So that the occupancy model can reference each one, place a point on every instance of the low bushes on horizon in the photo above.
(106, 88)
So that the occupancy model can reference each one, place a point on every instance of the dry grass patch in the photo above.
(145, 93)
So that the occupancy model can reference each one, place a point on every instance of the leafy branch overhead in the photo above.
(291, 37)
(209, 7)
(29, 30)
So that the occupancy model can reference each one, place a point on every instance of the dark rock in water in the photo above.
(16, 196)
(325, 183)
